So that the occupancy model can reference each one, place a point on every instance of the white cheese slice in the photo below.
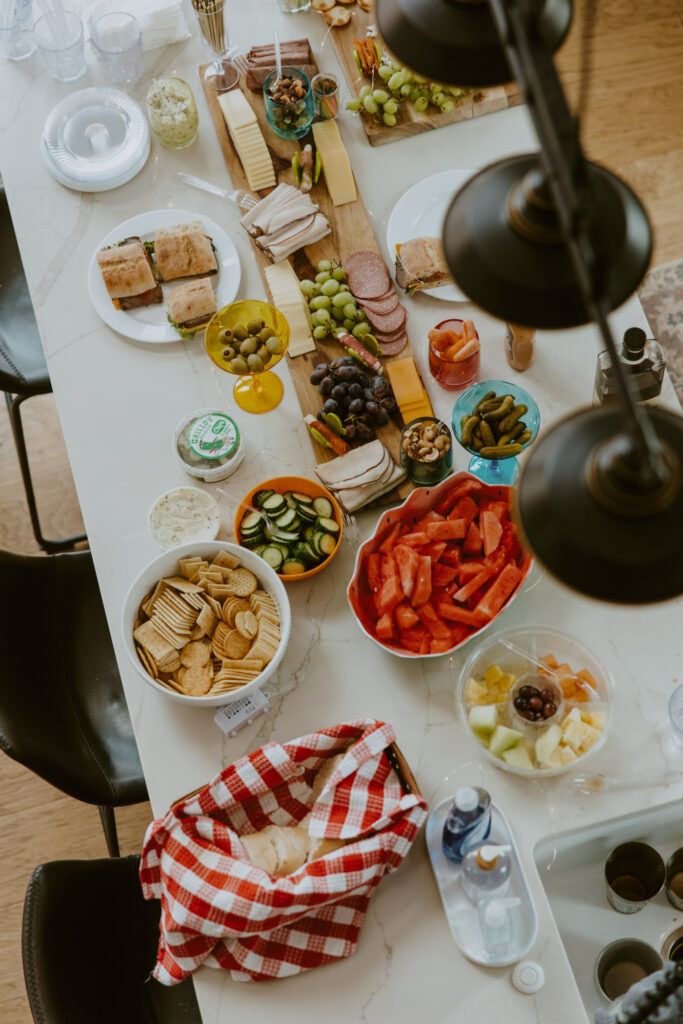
(283, 286)
(336, 163)
(248, 140)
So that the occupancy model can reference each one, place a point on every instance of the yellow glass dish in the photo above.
(259, 391)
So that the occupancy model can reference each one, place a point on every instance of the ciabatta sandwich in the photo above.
(191, 306)
(420, 263)
(128, 275)
(184, 250)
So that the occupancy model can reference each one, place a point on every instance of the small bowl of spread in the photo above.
(183, 515)
(208, 444)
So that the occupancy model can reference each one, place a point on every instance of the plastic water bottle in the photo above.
(486, 872)
(468, 822)
(495, 921)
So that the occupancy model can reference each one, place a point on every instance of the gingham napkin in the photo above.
(218, 909)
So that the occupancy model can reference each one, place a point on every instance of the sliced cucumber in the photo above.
(301, 499)
(274, 505)
(327, 544)
(252, 522)
(252, 542)
(323, 508)
(291, 566)
(261, 496)
(308, 533)
(328, 525)
(315, 541)
(273, 556)
(288, 520)
(307, 513)
(312, 555)
(289, 498)
(287, 537)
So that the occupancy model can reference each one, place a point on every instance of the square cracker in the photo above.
(226, 559)
(149, 637)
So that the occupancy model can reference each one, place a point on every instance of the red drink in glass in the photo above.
(456, 373)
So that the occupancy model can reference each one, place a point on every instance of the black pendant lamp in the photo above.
(456, 41)
(594, 515)
(506, 249)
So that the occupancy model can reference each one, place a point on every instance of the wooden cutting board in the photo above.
(410, 121)
(351, 232)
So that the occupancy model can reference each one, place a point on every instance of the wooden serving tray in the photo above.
(351, 232)
(411, 122)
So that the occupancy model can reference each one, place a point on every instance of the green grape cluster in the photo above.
(401, 85)
(333, 308)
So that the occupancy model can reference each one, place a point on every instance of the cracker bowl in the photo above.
(166, 566)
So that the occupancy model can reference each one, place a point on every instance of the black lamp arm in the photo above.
(564, 164)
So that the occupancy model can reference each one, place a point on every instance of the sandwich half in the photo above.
(184, 250)
(128, 275)
(420, 263)
(190, 307)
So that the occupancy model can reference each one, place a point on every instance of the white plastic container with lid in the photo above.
(208, 444)
(486, 872)
(495, 921)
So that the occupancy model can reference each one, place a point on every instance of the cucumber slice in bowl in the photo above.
(328, 525)
(323, 508)
(252, 523)
(273, 556)
(327, 544)
(292, 568)
(261, 496)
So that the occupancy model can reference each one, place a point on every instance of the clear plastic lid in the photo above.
(95, 139)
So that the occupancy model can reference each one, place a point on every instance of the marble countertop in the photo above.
(119, 402)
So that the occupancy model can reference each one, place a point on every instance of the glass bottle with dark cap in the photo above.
(643, 359)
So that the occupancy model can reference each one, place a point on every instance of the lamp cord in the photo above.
(587, 53)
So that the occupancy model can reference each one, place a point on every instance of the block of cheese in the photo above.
(283, 285)
(336, 163)
(410, 395)
(248, 140)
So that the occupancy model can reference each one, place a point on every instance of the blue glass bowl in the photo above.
(504, 470)
(289, 122)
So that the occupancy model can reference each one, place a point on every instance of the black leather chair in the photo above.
(62, 709)
(23, 371)
(89, 945)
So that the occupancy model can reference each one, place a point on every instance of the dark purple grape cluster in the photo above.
(361, 403)
(534, 704)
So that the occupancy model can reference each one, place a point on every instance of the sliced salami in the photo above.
(389, 322)
(380, 306)
(394, 347)
(367, 275)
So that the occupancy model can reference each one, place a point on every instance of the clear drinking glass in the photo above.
(117, 40)
(676, 715)
(221, 74)
(60, 41)
(16, 41)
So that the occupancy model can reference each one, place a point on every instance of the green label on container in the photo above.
(213, 436)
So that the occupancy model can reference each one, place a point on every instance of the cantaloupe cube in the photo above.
(550, 660)
(587, 678)
(564, 670)
(492, 674)
(475, 692)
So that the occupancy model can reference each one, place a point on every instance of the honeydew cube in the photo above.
(506, 682)
(475, 693)
(492, 674)
(518, 757)
(595, 718)
(504, 739)
(554, 761)
(567, 754)
(483, 720)
(547, 743)
(573, 735)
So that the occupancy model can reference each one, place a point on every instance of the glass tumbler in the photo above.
(16, 41)
(289, 120)
(61, 44)
(117, 40)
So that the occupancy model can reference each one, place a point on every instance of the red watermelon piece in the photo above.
(405, 616)
(423, 582)
(491, 531)
(449, 529)
(407, 560)
(497, 594)
(373, 572)
(473, 542)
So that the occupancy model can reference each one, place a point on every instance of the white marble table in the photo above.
(118, 403)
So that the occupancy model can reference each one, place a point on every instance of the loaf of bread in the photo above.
(283, 849)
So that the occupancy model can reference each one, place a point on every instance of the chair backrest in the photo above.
(22, 362)
(89, 945)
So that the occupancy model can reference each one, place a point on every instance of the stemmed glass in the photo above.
(504, 469)
(221, 74)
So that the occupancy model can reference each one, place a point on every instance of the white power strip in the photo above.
(233, 717)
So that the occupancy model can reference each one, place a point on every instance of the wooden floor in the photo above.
(633, 125)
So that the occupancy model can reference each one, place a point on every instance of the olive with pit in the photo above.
(240, 332)
(255, 363)
(255, 325)
(248, 347)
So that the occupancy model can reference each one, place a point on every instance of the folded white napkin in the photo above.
(162, 22)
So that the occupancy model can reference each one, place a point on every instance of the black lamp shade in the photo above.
(534, 283)
(455, 41)
(611, 557)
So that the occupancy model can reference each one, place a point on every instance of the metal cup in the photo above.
(634, 874)
(623, 963)
(673, 885)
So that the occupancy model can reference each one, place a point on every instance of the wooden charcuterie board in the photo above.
(410, 121)
(351, 232)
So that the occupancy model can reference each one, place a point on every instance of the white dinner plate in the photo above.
(149, 323)
(420, 212)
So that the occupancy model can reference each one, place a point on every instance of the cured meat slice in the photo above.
(367, 275)
(392, 348)
(380, 306)
(389, 322)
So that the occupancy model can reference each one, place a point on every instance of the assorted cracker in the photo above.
(209, 630)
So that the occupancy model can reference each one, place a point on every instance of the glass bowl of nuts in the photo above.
(426, 451)
(247, 338)
(495, 421)
(289, 103)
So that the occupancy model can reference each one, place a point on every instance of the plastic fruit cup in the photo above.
(255, 392)
(453, 375)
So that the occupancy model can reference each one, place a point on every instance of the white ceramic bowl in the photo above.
(536, 641)
(167, 565)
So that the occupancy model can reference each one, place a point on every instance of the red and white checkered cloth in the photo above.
(218, 909)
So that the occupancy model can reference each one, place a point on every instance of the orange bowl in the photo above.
(304, 486)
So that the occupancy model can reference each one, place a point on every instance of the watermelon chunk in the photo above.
(473, 585)
(415, 540)
(468, 570)
(390, 595)
(497, 594)
(449, 529)
(391, 538)
(407, 560)
(442, 575)
(500, 509)
(451, 612)
(441, 646)
(466, 509)
(452, 556)
(434, 550)
(471, 486)
(431, 620)
(459, 633)
(473, 542)
(491, 531)
(374, 572)
(423, 582)
(388, 568)
(405, 616)
(385, 628)
(432, 517)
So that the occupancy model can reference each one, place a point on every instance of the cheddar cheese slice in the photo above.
(410, 395)
(248, 140)
(283, 286)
